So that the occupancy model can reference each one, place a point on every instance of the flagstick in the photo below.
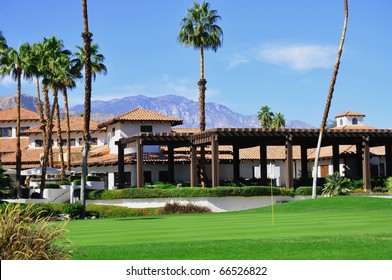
(272, 197)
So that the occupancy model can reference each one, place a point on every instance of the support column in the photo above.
(335, 158)
(215, 161)
(170, 151)
(388, 160)
(236, 162)
(366, 164)
(359, 160)
(139, 164)
(304, 162)
(289, 163)
(193, 166)
(263, 164)
(121, 169)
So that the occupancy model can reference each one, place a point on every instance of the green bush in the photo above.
(305, 190)
(52, 186)
(8, 193)
(388, 184)
(379, 190)
(336, 184)
(74, 210)
(162, 185)
(186, 192)
(177, 208)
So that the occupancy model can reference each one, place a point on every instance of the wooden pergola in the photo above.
(250, 137)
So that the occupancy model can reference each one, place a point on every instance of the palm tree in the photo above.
(52, 50)
(329, 99)
(97, 59)
(278, 121)
(265, 117)
(336, 185)
(3, 43)
(87, 35)
(200, 31)
(13, 63)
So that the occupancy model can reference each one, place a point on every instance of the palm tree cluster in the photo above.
(270, 119)
(54, 69)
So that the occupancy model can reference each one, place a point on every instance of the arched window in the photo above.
(355, 121)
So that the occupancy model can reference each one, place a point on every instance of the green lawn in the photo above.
(325, 228)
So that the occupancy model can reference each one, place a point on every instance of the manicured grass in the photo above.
(325, 228)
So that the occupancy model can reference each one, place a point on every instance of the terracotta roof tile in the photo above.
(8, 145)
(140, 114)
(76, 125)
(11, 115)
(349, 127)
(351, 114)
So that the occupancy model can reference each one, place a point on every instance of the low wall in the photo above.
(216, 204)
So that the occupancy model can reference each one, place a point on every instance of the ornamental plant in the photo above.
(336, 184)
(25, 234)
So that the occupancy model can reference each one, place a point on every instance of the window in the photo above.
(94, 141)
(6, 132)
(39, 143)
(147, 177)
(146, 128)
(355, 121)
(72, 141)
(113, 131)
(63, 142)
(127, 179)
(341, 122)
(24, 128)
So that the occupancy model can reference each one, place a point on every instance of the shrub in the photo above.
(177, 208)
(52, 186)
(336, 185)
(379, 190)
(388, 184)
(161, 185)
(304, 190)
(25, 235)
(186, 192)
(74, 210)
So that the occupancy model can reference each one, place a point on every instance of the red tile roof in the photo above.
(140, 114)
(76, 125)
(11, 115)
(351, 114)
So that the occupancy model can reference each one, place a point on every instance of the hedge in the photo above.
(305, 190)
(186, 192)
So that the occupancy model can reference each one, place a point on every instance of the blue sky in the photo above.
(276, 53)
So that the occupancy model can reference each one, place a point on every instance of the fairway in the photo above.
(325, 228)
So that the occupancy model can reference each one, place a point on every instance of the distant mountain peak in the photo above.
(217, 115)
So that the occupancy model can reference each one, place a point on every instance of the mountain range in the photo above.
(217, 115)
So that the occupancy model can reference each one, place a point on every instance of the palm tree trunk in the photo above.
(202, 100)
(18, 150)
(329, 100)
(60, 142)
(48, 137)
(87, 103)
(65, 95)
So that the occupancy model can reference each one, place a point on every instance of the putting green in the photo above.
(324, 228)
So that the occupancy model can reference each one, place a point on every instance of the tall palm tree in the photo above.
(87, 35)
(200, 30)
(278, 121)
(13, 63)
(97, 59)
(52, 50)
(71, 72)
(329, 99)
(3, 43)
(265, 117)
